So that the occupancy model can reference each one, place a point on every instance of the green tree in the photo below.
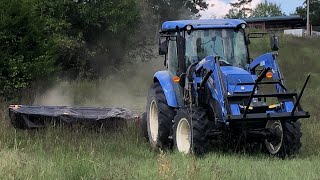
(174, 9)
(25, 47)
(240, 3)
(239, 9)
(314, 11)
(39, 38)
(267, 9)
(98, 35)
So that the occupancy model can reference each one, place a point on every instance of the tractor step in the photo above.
(33, 117)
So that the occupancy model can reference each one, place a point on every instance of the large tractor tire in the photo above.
(288, 143)
(159, 118)
(191, 131)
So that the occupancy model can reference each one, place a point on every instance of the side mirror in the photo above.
(163, 46)
(274, 42)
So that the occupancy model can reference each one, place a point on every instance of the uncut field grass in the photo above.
(61, 153)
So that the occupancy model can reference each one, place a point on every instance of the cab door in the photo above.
(173, 67)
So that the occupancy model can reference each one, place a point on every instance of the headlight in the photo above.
(189, 28)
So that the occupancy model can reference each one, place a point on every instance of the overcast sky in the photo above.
(219, 8)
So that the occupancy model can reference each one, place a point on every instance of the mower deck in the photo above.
(32, 117)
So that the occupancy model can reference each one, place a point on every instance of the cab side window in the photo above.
(172, 57)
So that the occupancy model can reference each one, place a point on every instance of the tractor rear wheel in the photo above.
(191, 130)
(292, 135)
(288, 142)
(159, 118)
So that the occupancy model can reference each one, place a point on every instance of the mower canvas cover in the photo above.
(32, 117)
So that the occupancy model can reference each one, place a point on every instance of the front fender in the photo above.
(266, 60)
(163, 77)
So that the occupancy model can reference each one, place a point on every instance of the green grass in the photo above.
(61, 153)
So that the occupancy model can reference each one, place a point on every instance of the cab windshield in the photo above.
(229, 44)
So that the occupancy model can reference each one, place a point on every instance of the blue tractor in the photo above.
(212, 93)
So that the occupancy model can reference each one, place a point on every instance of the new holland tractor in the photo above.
(212, 91)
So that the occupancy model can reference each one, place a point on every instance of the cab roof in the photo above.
(201, 24)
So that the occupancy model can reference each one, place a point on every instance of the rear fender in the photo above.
(265, 60)
(268, 60)
(163, 77)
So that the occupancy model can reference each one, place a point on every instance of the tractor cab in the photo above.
(187, 42)
(211, 91)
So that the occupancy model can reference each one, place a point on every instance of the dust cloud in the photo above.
(125, 87)
(58, 95)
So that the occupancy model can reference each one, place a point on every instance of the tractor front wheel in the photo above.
(158, 118)
(191, 130)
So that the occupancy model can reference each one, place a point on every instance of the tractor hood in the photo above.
(233, 76)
